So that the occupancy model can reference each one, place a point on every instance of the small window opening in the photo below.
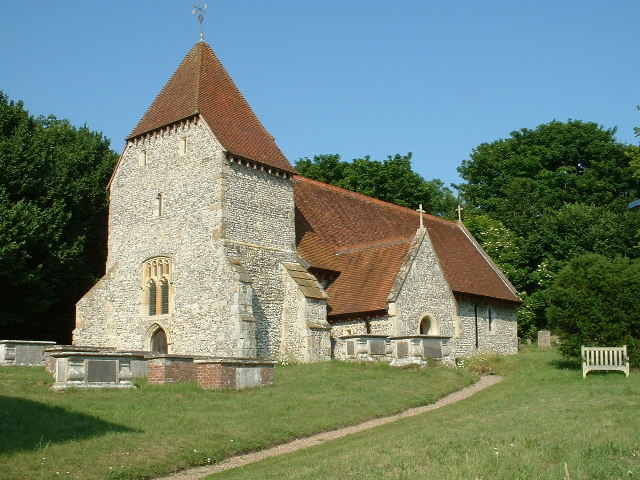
(183, 146)
(153, 305)
(142, 158)
(158, 207)
(491, 320)
(164, 296)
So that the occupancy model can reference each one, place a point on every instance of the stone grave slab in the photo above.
(402, 349)
(102, 371)
(351, 349)
(377, 347)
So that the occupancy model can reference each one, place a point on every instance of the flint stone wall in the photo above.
(305, 330)
(422, 291)
(502, 338)
(226, 224)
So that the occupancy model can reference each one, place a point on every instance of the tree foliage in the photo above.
(53, 219)
(518, 179)
(594, 301)
(391, 180)
(559, 191)
(634, 152)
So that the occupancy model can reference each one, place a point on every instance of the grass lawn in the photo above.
(540, 416)
(150, 431)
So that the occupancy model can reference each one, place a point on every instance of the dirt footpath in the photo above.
(319, 438)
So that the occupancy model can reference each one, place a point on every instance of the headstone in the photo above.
(377, 347)
(544, 339)
(402, 350)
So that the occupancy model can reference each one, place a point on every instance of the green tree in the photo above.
(561, 190)
(53, 220)
(634, 152)
(516, 180)
(501, 244)
(594, 301)
(391, 180)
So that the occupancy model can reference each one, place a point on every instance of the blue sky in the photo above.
(353, 77)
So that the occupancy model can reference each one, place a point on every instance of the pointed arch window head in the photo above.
(158, 288)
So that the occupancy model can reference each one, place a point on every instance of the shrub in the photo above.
(595, 301)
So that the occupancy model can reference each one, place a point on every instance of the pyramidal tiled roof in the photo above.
(367, 241)
(201, 86)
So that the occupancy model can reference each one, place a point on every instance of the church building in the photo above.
(218, 248)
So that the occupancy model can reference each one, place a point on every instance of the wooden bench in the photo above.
(605, 358)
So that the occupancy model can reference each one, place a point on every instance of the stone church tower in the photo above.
(202, 257)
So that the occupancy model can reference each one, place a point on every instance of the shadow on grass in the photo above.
(567, 364)
(29, 425)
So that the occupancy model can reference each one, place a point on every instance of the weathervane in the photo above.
(200, 8)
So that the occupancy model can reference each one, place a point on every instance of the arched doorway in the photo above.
(159, 342)
(428, 326)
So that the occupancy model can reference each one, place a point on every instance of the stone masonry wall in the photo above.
(425, 292)
(382, 325)
(200, 321)
(501, 338)
(259, 231)
(305, 330)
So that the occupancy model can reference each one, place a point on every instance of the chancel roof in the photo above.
(201, 86)
(366, 241)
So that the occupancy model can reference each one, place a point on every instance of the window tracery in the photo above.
(157, 282)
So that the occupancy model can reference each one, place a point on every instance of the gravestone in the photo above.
(544, 339)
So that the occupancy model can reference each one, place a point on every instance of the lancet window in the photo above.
(157, 281)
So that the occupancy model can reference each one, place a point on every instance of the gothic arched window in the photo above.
(157, 282)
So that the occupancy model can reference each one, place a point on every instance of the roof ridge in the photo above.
(199, 79)
(368, 198)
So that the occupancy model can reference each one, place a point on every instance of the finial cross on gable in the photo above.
(421, 212)
(460, 213)
(200, 8)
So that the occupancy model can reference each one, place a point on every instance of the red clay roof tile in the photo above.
(367, 241)
(201, 85)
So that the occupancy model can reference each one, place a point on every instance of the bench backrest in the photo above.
(604, 355)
